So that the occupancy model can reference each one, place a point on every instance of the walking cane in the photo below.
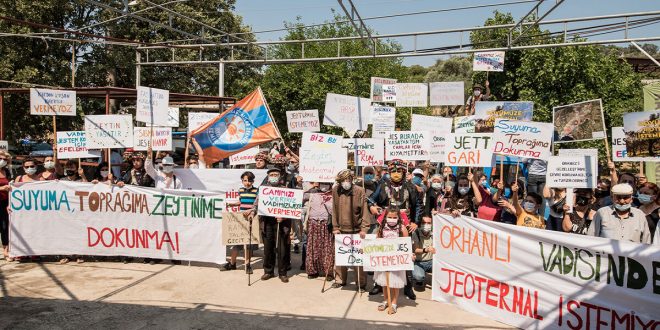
(326, 277)
(250, 252)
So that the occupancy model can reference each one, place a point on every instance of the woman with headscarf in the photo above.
(320, 251)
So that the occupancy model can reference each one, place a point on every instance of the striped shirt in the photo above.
(247, 196)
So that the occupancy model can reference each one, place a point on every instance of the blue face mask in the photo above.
(369, 177)
(644, 198)
(507, 192)
(417, 181)
(386, 176)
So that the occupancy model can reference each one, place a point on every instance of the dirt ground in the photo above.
(113, 295)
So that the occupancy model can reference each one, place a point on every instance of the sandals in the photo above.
(382, 307)
(64, 261)
(393, 311)
(80, 260)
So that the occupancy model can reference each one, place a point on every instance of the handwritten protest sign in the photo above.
(619, 152)
(321, 157)
(383, 121)
(303, 120)
(412, 95)
(439, 128)
(465, 124)
(152, 106)
(161, 141)
(73, 144)
(522, 138)
(389, 93)
(490, 111)
(447, 93)
(469, 150)
(388, 254)
(349, 112)
(52, 102)
(377, 89)
(571, 172)
(280, 202)
(131, 221)
(642, 131)
(408, 145)
(173, 117)
(579, 121)
(109, 131)
(4, 145)
(588, 166)
(488, 61)
(348, 249)
(244, 157)
(197, 119)
(236, 229)
(368, 152)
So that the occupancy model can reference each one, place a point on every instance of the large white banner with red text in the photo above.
(540, 279)
(67, 218)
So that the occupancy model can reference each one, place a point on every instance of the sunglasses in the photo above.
(30, 166)
(618, 197)
(3, 158)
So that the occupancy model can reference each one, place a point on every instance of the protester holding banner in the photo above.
(350, 215)
(621, 221)
(391, 227)
(422, 239)
(137, 175)
(528, 213)
(50, 172)
(578, 220)
(649, 197)
(477, 96)
(30, 170)
(164, 178)
(5, 178)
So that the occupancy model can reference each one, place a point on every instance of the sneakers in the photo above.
(228, 266)
(376, 290)
(248, 269)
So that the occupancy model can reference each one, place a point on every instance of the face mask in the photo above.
(368, 177)
(436, 185)
(273, 179)
(602, 193)
(392, 221)
(463, 190)
(477, 93)
(168, 169)
(529, 206)
(70, 172)
(104, 173)
(426, 228)
(193, 166)
(417, 181)
(3, 163)
(31, 170)
(644, 198)
(450, 184)
(396, 177)
(49, 165)
(485, 184)
(386, 176)
(507, 192)
(445, 175)
(291, 167)
(346, 185)
(582, 201)
(622, 207)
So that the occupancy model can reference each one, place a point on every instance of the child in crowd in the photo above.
(391, 227)
(528, 213)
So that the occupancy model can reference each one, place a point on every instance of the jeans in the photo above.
(421, 267)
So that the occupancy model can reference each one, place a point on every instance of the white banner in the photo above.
(523, 138)
(349, 112)
(109, 131)
(368, 152)
(542, 279)
(152, 106)
(173, 117)
(570, 172)
(619, 153)
(52, 102)
(348, 249)
(408, 145)
(383, 121)
(377, 89)
(447, 93)
(439, 128)
(469, 150)
(197, 119)
(388, 254)
(161, 141)
(412, 95)
(280, 202)
(73, 144)
(67, 218)
(303, 121)
(488, 61)
(321, 157)
(244, 157)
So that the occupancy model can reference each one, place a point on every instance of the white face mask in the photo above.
(168, 169)
(31, 171)
(273, 179)
(105, 173)
(346, 185)
(193, 166)
(392, 221)
(426, 228)
(463, 190)
(49, 165)
(3, 163)
(436, 185)
(477, 93)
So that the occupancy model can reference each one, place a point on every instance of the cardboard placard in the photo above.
(303, 120)
(579, 121)
(376, 94)
(152, 106)
(321, 157)
(368, 152)
(490, 111)
(447, 93)
(236, 229)
(280, 202)
(349, 112)
(161, 141)
(388, 254)
(244, 157)
(412, 95)
(109, 131)
(522, 138)
(488, 61)
(52, 102)
(408, 145)
(469, 150)
(73, 144)
(642, 131)
(348, 249)
(383, 121)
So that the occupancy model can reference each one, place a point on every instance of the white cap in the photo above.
(418, 171)
(167, 161)
(622, 189)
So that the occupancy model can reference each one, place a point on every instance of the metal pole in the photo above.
(221, 78)
(645, 53)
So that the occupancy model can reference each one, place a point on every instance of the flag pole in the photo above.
(269, 113)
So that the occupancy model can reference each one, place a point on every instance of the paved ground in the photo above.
(113, 295)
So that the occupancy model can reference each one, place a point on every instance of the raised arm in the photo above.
(149, 165)
(475, 188)
(514, 199)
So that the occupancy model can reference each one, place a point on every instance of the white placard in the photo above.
(321, 157)
(412, 95)
(303, 121)
(592, 161)
(439, 128)
(408, 145)
(152, 106)
(377, 83)
(280, 202)
(173, 117)
(447, 93)
(4, 145)
(619, 153)
(570, 172)
(523, 138)
(368, 152)
(162, 139)
(52, 102)
(73, 144)
(244, 157)
(348, 249)
(383, 121)
(349, 112)
(488, 61)
(388, 254)
(197, 119)
(109, 131)
(389, 93)
(469, 150)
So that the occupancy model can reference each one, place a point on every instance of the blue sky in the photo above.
(271, 14)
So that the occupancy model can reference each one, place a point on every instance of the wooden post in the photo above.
(641, 168)
(54, 139)
(502, 169)
(517, 169)
(185, 156)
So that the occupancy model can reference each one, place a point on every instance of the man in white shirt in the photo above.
(621, 221)
(165, 178)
